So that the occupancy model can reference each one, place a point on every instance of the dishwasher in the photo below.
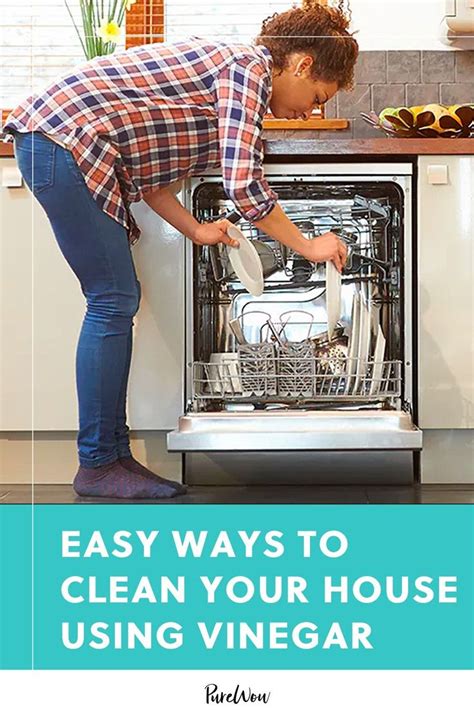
(278, 389)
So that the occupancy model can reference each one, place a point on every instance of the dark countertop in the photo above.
(322, 147)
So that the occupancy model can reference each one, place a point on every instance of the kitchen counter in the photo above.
(351, 147)
(6, 150)
(368, 147)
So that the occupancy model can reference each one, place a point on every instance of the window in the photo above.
(229, 21)
(38, 42)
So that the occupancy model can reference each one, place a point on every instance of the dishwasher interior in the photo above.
(287, 371)
(275, 350)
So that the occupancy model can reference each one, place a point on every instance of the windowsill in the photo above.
(314, 124)
(317, 124)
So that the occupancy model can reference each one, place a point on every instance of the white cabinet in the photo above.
(157, 377)
(41, 311)
(446, 293)
(16, 289)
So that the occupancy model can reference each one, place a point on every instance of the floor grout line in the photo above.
(281, 494)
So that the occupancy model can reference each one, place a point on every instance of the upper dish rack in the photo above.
(363, 224)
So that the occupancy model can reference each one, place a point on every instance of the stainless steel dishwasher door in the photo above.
(295, 431)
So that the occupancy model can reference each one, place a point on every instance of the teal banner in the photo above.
(16, 579)
(239, 587)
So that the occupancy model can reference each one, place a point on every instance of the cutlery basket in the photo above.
(296, 368)
(258, 371)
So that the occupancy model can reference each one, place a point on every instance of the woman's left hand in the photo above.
(213, 233)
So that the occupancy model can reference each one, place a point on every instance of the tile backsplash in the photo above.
(396, 78)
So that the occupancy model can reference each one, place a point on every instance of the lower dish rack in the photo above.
(264, 373)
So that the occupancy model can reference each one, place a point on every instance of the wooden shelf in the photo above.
(313, 124)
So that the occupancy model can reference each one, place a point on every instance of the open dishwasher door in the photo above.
(366, 447)
(295, 431)
(304, 380)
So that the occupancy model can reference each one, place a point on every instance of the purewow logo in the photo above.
(237, 696)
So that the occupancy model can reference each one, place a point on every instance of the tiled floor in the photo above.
(417, 494)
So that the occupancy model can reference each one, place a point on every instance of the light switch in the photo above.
(450, 7)
(11, 177)
(437, 174)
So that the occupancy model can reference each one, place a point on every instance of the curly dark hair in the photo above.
(320, 31)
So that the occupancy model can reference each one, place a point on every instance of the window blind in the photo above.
(38, 42)
(228, 20)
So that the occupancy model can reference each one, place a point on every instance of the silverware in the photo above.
(236, 329)
(275, 334)
(331, 354)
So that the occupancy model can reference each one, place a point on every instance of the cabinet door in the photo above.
(446, 297)
(156, 391)
(42, 308)
(16, 289)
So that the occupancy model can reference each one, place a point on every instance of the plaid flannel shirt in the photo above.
(146, 117)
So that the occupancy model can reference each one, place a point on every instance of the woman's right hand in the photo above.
(327, 248)
(214, 232)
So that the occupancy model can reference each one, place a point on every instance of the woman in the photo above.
(125, 127)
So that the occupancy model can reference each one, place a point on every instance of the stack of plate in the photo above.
(359, 351)
(333, 297)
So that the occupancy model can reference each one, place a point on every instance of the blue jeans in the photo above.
(96, 248)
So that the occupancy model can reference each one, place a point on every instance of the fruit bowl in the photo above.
(428, 121)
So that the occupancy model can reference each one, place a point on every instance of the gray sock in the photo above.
(115, 481)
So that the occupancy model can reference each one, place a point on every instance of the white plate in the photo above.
(379, 353)
(353, 349)
(364, 340)
(333, 297)
(245, 262)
